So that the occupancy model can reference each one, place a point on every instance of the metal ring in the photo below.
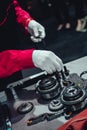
(83, 73)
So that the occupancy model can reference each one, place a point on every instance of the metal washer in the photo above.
(25, 108)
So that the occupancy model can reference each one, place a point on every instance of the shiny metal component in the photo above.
(55, 105)
(48, 88)
(25, 107)
(74, 97)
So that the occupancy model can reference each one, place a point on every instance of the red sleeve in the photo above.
(22, 16)
(14, 60)
(78, 122)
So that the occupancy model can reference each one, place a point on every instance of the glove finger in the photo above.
(49, 68)
(52, 69)
(58, 66)
(36, 40)
(36, 32)
(59, 61)
(56, 61)
(42, 33)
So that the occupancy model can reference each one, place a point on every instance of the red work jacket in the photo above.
(22, 16)
(79, 122)
(14, 60)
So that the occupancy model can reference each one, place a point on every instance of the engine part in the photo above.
(35, 120)
(55, 105)
(83, 75)
(48, 88)
(73, 97)
(66, 71)
(25, 108)
(42, 117)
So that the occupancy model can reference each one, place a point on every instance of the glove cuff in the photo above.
(27, 22)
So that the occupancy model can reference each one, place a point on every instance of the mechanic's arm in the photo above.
(14, 60)
(22, 16)
(36, 30)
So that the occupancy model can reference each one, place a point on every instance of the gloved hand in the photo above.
(36, 30)
(47, 60)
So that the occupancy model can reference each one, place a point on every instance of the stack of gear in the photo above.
(67, 92)
(48, 88)
(72, 98)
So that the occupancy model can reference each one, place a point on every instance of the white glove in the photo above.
(36, 30)
(47, 60)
